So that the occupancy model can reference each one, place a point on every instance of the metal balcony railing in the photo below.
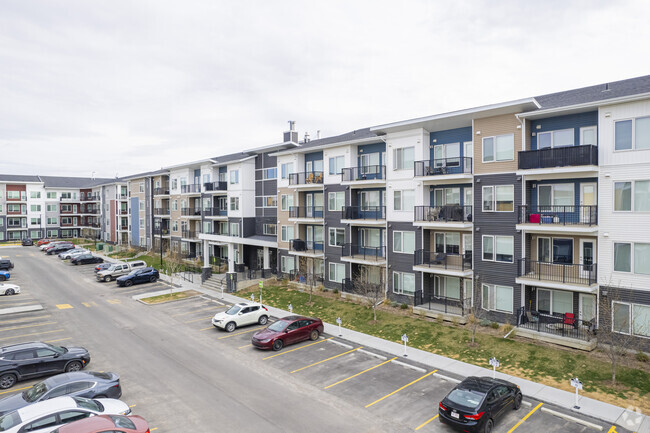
(567, 273)
(431, 259)
(558, 157)
(90, 198)
(215, 186)
(306, 178)
(189, 234)
(364, 213)
(439, 167)
(559, 215)
(363, 252)
(191, 211)
(214, 211)
(561, 325)
(449, 213)
(443, 304)
(189, 189)
(161, 211)
(299, 245)
(161, 191)
(364, 172)
(306, 212)
(159, 231)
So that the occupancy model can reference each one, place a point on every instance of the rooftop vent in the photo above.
(291, 135)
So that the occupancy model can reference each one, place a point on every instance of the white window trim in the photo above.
(493, 299)
(553, 185)
(401, 232)
(632, 267)
(335, 200)
(494, 198)
(633, 138)
(336, 266)
(587, 128)
(494, 248)
(632, 195)
(494, 137)
(573, 133)
(395, 168)
(400, 290)
(329, 236)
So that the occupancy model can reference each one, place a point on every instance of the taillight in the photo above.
(442, 407)
(475, 417)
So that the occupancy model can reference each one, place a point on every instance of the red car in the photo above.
(288, 330)
(43, 242)
(106, 423)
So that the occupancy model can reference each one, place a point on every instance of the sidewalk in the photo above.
(606, 412)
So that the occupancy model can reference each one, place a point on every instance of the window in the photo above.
(554, 301)
(499, 148)
(206, 178)
(174, 204)
(141, 186)
(270, 201)
(544, 250)
(175, 226)
(404, 200)
(142, 223)
(270, 173)
(369, 200)
(336, 237)
(51, 195)
(632, 195)
(336, 164)
(504, 195)
(270, 229)
(174, 183)
(52, 221)
(234, 203)
(286, 169)
(234, 177)
(141, 205)
(403, 283)
(488, 248)
(498, 248)
(370, 238)
(35, 221)
(561, 194)
(234, 229)
(448, 243)
(631, 318)
(630, 257)
(404, 242)
(403, 158)
(337, 272)
(287, 264)
(497, 298)
(286, 233)
(632, 134)
(336, 201)
(560, 138)
(562, 250)
(588, 136)
(34, 194)
(286, 201)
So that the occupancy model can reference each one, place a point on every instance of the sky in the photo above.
(114, 87)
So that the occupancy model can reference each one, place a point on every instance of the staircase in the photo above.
(215, 282)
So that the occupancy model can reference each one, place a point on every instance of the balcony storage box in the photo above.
(534, 218)
(547, 219)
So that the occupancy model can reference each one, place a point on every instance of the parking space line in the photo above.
(60, 339)
(25, 319)
(325, 360)
(14, 390)
(247, 345)
(63, 306)
(525, 418)
(114, 301)
(399, 389)
(195, 311)
(199, 320)
(360, 373)
(26, 326)
(297, 348)
(426, 422)
(29, 335)
(239, 333)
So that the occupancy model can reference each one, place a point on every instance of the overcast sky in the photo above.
(120, 87)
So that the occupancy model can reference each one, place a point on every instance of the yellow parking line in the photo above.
(27, 326)
(297, 348)
(29, 335)
(29, 319)
(242, 332)
(155, 428)
(60, 339)
(199, 320)
(525, 418)
(426, 422)
(195, 311)
(241, 347)
(324, 360)
(360, 373)
(133, 405)
(14, 390)
(63, 306)
(399, 389)
(114, 301)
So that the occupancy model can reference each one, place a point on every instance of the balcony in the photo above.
(215, 186)
(126, 227)
(123, 211)
(90, 198)
(221, 232)
(443, 263)
(191, 189)
(69, 199)
(364, 175)
(564, 329)
(90, 211)
(159, 231)
(570, 156)
(451, 216)
(307, 179)
(557, 275)
(161, 191)
(189, 234)
(364, 215)
(545, 219)
(17, 212)
(363, 254)
(214, 212)
(306, 212)
(23, 197)
(441, 304)
(306, 248)
(453, 167)
(191, 211)
(161, 211)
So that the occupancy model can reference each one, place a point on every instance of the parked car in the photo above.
(286, 331)
(45, 247)
(106, 423)
(102, 266)
(46, 415)
(68, 254)
(87, 384)
(27, 242)
(58, 249)
(241, 314)
(139, 276)
(118, 269)
(43, 242)
(84, 259)
(35, 359)
(9, 289)
(476, 403)
(6, 264)
(4, 275)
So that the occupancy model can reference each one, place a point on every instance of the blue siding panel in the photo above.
(576, 121)
(459, 135)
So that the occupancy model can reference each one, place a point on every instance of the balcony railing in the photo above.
(306, 178)
(161, 191)
(431, 259)
(300, 245)
(124, 227)
(214, 211)
(90, 198)
(439, 167)
(363, 252)
(215, 186)
(364, 213)
(161, 211)
(349, 286)
(189, 189)
(558, 157)
(559, 215)
(159, 231)
(430, 301)
(449, 213)
(17, 212)
(191, 211)
(567, 273)
(306, 212)
(561, 325)
(365, 172)
(189, 234)
(90, 211)
(218, 231)
(124, 211)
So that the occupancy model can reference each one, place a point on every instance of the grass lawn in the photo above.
(541, 362)
(169, 297)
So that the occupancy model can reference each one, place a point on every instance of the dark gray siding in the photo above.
(399, 262)
(332, 219)
(248, 227)
(639, 297)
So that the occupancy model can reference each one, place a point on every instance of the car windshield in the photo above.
(278, 326)
(58, 349)
(89, 404)
(122, 422)
(35, 392)
(233, 310)
(10, 420)
(113, 267)
(466, 397)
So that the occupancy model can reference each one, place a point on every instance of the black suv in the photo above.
(28, 360)
(6, 264)
(27, 242)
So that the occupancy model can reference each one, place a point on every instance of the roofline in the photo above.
(271, 146)
(595, 104)
(455, 113)
(327, 146)
(187, 164)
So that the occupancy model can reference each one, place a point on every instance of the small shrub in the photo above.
(439, 318)
(403, 306)
(641, 356)
(494, 325)
(506, 328)
(387, 302)
(395, 304)
(336, 291)
(454, 321)
(485, 323)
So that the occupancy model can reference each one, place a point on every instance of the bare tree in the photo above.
(476, 311)
(173, 265)
(373, 293)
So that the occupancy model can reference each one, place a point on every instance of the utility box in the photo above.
(100, 247)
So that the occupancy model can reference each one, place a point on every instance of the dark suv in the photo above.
(139, 276)
(6, 264)
(27, 360)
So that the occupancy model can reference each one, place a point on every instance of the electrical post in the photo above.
(577, 385)
(494, 363)
(405, 339)
(339, 321)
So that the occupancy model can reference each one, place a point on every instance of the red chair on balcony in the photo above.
(570, 319)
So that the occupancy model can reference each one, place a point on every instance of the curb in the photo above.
(26, 308)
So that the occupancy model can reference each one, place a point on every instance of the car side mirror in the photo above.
(56, 355)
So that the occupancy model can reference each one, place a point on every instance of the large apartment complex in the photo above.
(535, 210)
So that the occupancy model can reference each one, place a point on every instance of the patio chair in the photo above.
(439, 259)
(531, 318)
(570, 319)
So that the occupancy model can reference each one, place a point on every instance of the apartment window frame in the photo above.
(35, 194)
(286, 202)
(339, 268)
(630, 319)
(401, 235)
(335, 233)
(494, 201)
(234, 177)
(584, 129)
(336, 195)
(270, 229)
(402, 199)
(284, 263)
(553, 139)
(495, 249)
(633, 199)
(400, 161)
(270, 173)
(632, 261)
(270, 201)
(234, 204)
(633, 133)
(286, 169)
(398, 283)
(284, 233)
(492, 297)
(233, 229)
(51, 195)
(336, 164)
(495, 151)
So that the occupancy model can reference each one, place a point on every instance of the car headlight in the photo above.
(265, 341)
(126, 412)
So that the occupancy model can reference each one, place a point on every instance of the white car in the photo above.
(71, 254)
(47, 415)
(243, 313)
(9, 289)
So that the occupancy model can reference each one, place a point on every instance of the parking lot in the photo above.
(182, 374)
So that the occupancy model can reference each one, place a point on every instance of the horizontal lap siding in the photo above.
(401, 262)
(491, 126)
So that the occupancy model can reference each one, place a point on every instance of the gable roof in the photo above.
(18, 178)
(72, 182)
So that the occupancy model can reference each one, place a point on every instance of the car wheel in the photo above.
(9, 292)
(263, 320)
(518, 399)
(76, 263)
(314, 335)
(107, 278)
(230, 326)
(100, 396)
(7, 380)
(277, 345)
(128, 283)
(73, 366)
(153, 279)
(2, 278)
(488, 426)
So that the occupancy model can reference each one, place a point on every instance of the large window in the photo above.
(234, 176)
(631, 318)
(270, 173)
(554, 301)
(234, 229)
(404, 242)
(369, 200)
(630, 257)
(337, 272)
(544, 250)
(404, 200)
(632, 195)
(34, 194)
(234, 203)
(498, 248)
(499, 148)
(51, 195)
(560, 138)
(403, 158)
(287, 264)
(497, 298)
(403, 283)
(286, 169)
(447, 196)
(448, 243)
(632, 134)
(336, 201)
(500, 198)
(336, 164)
(336, 237)
(270, 229)
(286, 201)
(286, 233)
(561, 194)
(270, 201)
(35, 208)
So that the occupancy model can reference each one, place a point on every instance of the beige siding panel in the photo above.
(490, 126)
(283, 216)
